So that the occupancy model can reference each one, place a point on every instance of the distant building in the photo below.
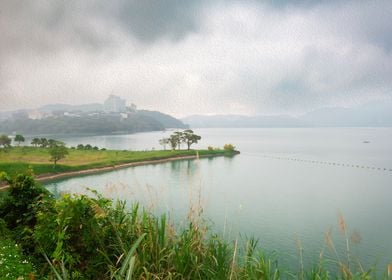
(114, 104)
(72, 114)
(36, 115)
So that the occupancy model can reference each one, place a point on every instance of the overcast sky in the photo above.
(196, 57)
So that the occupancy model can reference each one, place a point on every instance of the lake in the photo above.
(287, 184)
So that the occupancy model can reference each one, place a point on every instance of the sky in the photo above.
(196, 57)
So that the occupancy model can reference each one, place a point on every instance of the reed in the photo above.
(90, 237)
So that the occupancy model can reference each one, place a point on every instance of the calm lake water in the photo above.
(286, 184)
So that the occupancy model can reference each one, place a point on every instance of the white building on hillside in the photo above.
(114, 104)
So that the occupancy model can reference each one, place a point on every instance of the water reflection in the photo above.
(280, 186)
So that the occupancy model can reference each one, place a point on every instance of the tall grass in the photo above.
(90, 237)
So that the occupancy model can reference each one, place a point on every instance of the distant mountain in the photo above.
(84, 119)
(242, 121)
(375, 114)
(166, 120)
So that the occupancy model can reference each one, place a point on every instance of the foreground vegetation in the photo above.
(81, 237)
(20, 159)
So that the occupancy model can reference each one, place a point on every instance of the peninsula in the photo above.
(82, 162)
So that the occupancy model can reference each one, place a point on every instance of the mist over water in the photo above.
(285, 184)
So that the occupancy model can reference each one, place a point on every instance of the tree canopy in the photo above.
(36, 142)
(187, 136)
(5, 141)
(57, 152)
(190, 138)
(163, 142)
(19, 138)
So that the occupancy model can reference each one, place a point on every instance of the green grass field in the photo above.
(20, 159)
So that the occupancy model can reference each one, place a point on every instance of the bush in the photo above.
(210, 148)
(229, 147)
(4, 231)
(77, 234)
(13, 265)
(19, 206)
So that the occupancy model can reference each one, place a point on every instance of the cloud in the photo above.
(188, 57)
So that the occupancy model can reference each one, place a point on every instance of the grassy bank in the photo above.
(81, 237)
(19, 159)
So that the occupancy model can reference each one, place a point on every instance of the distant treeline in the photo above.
(97, 124)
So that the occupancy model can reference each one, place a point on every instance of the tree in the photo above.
(19, 138)
(163, 142)
(179, 136)
(36, 142)
(5, 141)
(57, 152)
(44, 142)
(173, 141)
(53, 142)
(229, 147)
(190, 138)
(80, 147)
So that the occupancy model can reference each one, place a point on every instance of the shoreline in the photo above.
(49, 177)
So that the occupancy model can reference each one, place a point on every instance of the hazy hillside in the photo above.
(166, 120)
(81, 125)
(84, 122)
(372, 114)
(242, 121)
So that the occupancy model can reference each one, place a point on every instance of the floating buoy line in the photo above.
(325, 162)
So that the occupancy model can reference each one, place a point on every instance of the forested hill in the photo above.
(96, 124)
(167, 120)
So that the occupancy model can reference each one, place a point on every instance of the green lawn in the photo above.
(20, 159)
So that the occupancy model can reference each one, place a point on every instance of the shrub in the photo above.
(4, 231)
(210, 148)
(13, 265)
(19, 206)
(229, 147)
(76, 233)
